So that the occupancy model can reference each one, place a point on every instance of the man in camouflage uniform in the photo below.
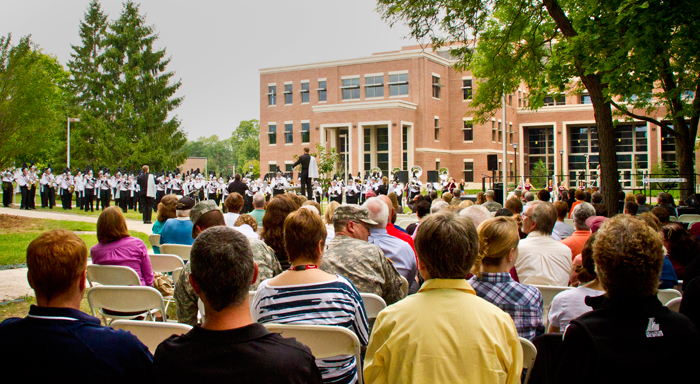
(204, 215)
(364, 264)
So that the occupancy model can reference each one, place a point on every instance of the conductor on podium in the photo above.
(304, 160)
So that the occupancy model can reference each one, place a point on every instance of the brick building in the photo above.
(410, 107)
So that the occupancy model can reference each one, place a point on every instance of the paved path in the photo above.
(13, 282)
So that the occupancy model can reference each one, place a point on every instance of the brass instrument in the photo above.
(376, 172)
(416, 173)
(444, 174)
(395, 173)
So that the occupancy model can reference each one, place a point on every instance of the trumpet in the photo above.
(444, 174)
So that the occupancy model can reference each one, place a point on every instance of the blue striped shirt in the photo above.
(336, 302)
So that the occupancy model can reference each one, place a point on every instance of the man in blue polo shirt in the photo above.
(179, 229)
(57, 342)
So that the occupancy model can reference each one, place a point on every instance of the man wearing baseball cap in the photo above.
(350, 255)
(179, 229)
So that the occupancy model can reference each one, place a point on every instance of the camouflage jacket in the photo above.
(186, 299)
(365, 265)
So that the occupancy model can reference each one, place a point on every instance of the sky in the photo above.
(217, 47)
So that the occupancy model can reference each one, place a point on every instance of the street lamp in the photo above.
(515, 147)
(70, 120)
(345, 158)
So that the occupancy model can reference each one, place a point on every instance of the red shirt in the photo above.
(391, 230)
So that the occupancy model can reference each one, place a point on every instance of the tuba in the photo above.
(416, 173)
(395, 173)
(444, 174)
(376, 172)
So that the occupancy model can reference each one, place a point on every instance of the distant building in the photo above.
(410, 107)
(194, 163)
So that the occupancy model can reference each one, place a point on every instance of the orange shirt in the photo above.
(576, 241)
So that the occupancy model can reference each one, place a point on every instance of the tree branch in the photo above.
(640, 117)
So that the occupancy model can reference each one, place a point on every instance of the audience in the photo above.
(229, 345)
(396, 250)
(205, 216)
(498, 250)
(631, 208)
(116, 247)
(328, 219)
(682, 249)
(561, 230)
(178, 230)
(447, 197)
(597, 202)
(480, 199)
(456, 199)
(477, 213)
(629, 337)
(529, 197)
(272, 234)
(57, 342)
(349, 254)
(690, 304)
(490, 204)
(580, 196)
(247, 225)
(166, 210)
(542, 260)
(570, 304)
(438, 205)
(642, 203)
(422, 209)
(234, 203)
(391, 229)
(666, 201)
(668, 279)
(284, 299)
(544, 195)
(580, 214)
(258, 207)
(662, 214)
(444, 333)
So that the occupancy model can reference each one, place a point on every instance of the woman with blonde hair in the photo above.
(498, 250)
(328, 219)
(167, 209)
(116, 247)
(480, 198)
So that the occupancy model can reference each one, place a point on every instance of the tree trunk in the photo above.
(684, 158)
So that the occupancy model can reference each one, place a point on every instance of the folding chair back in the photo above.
(323, 340)
(176, 275)
(177, 249)
(165, 263)
(548, 293)
(124, 302)
(569, 222)
(674, 304)
(112, 275)
(154, 239)
(665, 295)
(529, 356)
(373, 304)
(688, 218)
(151, 333)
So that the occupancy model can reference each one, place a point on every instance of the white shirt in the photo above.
(569, 305)
(230, 219)
(543, 261)
(561, 231)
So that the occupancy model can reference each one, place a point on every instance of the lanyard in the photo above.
(302, 267)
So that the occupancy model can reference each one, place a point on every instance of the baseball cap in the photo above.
(185, 203)
(594, 222)
(353, 212)
(199, 210)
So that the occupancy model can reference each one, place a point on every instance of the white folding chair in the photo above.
(529, 356)
(165, 263)
(569, 222)
(666, 295)
(674, 304)
(176, 249)
(112, 275)
(323, 340)
(673, 219)
(373, 304)
(548, 293)
(125, 302)
(154, 239)
(151, 334)
(688, 218)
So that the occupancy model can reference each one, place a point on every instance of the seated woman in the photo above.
(328, 220)
(305, 294)
(681, 247)
(166, 210)
(233, 204)
(116, 247)
(247, 225)
(571, 304)
(272, 234)
(498, 250)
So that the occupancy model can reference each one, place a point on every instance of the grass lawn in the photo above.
(17, 232)
(131, 214)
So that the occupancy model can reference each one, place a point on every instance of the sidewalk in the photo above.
(13, 282)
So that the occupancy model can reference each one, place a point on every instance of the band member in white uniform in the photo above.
(23, 184)
(7, 189)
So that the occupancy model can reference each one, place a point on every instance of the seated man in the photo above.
(57, 342)
(490, 203)
(177, 230)
(542, 260)
(229, 346)
(206, 214)
(427, 337)
(350, 255)
(576, 241)
(561, 230)
(630, 337)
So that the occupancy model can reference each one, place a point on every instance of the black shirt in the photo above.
(237, 186)
(249, 354)
(304, 161)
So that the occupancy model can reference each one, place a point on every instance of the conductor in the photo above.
(309, 170)
(147, 193)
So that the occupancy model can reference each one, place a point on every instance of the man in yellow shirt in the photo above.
(444, 333)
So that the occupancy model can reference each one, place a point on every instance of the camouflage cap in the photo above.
(199, 210)
(353, 212)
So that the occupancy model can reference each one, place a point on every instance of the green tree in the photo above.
(31, 102)
(539, 175)
(245, 142)
(218, 153)
(327, 159)
(544, 44)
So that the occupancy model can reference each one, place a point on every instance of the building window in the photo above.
(510, 133)
(510, 100)
(382, 135)
(467, 89)
(304, 132)
(288, 134)
(288, 96)
(469, 171)
(586, 98)
(271, 94)
(322, 90)
(520, 99)
(272, 169)
(272, 134)
(374, 86)
(368, 149)
(437, 165)
(558, 99)
(288, 168)
(404, 147)
(304, 92)
(351, 89)
(398, 85)
(493, 130)
(436, 87)
(468, 131)
(437, 129)
(500, 133)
